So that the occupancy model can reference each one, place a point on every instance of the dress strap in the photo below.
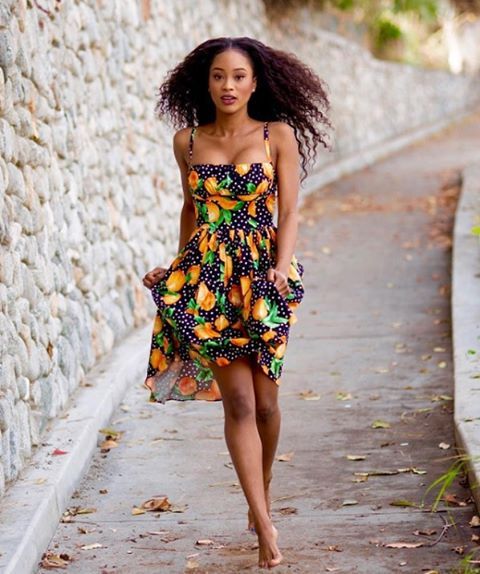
(266, 140)
(190, 146)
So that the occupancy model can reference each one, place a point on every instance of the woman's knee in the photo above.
(265, 412)
(239, 406)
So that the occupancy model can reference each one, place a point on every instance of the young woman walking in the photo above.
(254, 116)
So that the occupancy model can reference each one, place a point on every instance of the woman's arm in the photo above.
(288, 177)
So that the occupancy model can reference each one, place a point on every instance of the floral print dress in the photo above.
(214, 304)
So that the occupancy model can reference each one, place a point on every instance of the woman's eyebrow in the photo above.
(235, 69)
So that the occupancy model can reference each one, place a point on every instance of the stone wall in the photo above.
(89, 190)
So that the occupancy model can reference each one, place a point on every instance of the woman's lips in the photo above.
(228, 99)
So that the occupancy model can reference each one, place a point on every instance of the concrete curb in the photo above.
(466, 325)
(33, 505)
(364, 158)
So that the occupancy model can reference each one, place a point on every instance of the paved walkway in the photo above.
(372, 343)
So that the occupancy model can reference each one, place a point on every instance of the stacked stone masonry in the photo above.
(89, 191)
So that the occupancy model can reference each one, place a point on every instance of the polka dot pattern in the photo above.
(214, 304)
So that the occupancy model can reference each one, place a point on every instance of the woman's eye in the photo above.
(239, 77)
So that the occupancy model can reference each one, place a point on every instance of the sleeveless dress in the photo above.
(214, 304)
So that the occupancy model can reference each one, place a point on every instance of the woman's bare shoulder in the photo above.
(281, 129)
(181, 140)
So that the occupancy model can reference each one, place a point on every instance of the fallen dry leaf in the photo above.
(111, 432)
(349, 502)
(287, 510)
(444, 445)
(91, 546)
(333, 548)
(379, 424)
(404, 545)
(286, 457)
(57, 452)
(309, 395)
(74, 510)
(356, 457)
(205, 542)
(161, 504)
(342, 396)
(85, 530)
(404, 503)
(453, 499)
(475, 521)
(108, 444)
(50, 561)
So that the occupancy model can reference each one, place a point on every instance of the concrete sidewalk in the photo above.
(372, 343)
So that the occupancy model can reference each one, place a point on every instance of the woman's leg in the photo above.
(244, 444)
(268, 425)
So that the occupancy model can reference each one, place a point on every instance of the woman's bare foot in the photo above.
(269, 554)
(251, 520)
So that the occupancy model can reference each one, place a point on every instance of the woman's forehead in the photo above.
(231, 59)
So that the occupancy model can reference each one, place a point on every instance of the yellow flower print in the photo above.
(268, 170)
(176, 280)
(157, 325)
(213, 211)
(260, 309)
(170, 299)
(187, 385)
(205, 331)
(193, 180)
(270, 203)
(205, 298)
(242, 168)
(211, 185)
(158, 360)
(226, 203)
(221, 322)
(194, 272)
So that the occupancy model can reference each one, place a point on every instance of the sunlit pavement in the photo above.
(371, 348)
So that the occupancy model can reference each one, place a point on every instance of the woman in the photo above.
(226, 302)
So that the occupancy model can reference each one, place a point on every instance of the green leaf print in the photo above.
(199, 319)
(251, 187)
(275, 366)
(192, 304)
(227, 216)
(272, 320)
(210, 257)
(238, 205)
(253, 222)
(222, 272)
(159, 339)
(204, 374)
(225, 182)
(199, 184)
(221, 301)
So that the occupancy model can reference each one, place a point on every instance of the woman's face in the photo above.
(231, 80)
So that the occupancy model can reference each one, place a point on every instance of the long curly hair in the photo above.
(287, 90)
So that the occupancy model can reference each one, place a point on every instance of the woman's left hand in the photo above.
(280, 280)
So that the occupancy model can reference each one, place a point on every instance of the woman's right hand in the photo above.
(153, 276)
